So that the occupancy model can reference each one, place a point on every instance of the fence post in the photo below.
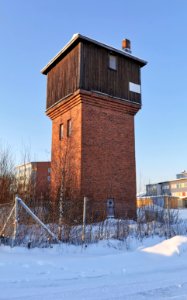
(84, 219)
(16, 217)
(168, 217)
(29, 211)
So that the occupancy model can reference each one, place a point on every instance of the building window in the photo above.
(173, 186)
(61, 131)
(112, 62)
(165, 187)
(69, 127)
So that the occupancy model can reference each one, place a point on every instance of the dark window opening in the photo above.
(112, 62)
(69, 128)
(61, 131)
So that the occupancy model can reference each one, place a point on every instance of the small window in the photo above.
(69, 127)
(112, 62)
(61, 131)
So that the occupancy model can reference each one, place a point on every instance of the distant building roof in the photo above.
(168, 181)
(32, 162)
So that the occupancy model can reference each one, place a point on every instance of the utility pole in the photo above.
(84, 219)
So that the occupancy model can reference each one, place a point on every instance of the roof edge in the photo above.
(77, 37)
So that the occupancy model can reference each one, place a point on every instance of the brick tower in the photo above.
(93, 94)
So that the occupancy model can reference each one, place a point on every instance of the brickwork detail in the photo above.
(100, 151)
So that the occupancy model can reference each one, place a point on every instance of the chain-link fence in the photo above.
(101, 222)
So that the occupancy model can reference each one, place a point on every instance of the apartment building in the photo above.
(174, 188)
(33, 179)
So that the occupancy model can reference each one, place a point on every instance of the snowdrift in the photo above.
(173, 246)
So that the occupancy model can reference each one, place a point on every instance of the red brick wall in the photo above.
(66, 153)
(42, 181)
(108, 156)
(101, 148)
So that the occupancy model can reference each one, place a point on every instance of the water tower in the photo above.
(93, 94)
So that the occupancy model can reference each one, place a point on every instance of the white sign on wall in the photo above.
(133, 87)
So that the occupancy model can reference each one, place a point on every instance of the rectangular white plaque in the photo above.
(133, 87)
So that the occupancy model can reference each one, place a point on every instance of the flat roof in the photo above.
(31, 162)
(168, 181)
(78, 37)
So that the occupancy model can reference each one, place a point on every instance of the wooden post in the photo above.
(84, 219)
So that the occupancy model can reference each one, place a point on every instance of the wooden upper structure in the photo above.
(85, 64)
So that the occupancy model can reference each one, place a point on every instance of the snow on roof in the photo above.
(78, 36)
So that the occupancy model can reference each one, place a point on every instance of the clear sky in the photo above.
(32, 32)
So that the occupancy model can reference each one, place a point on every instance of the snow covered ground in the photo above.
(152, 269)
(183, 213)
(155, 269)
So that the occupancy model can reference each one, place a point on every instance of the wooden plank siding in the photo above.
(97, 75)
(86, 67)
(63, 79)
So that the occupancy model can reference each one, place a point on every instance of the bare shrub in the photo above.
(7, 176)
(158, 220)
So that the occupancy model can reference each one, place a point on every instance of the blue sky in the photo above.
(32, 32)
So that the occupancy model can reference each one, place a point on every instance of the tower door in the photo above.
(110, 208)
